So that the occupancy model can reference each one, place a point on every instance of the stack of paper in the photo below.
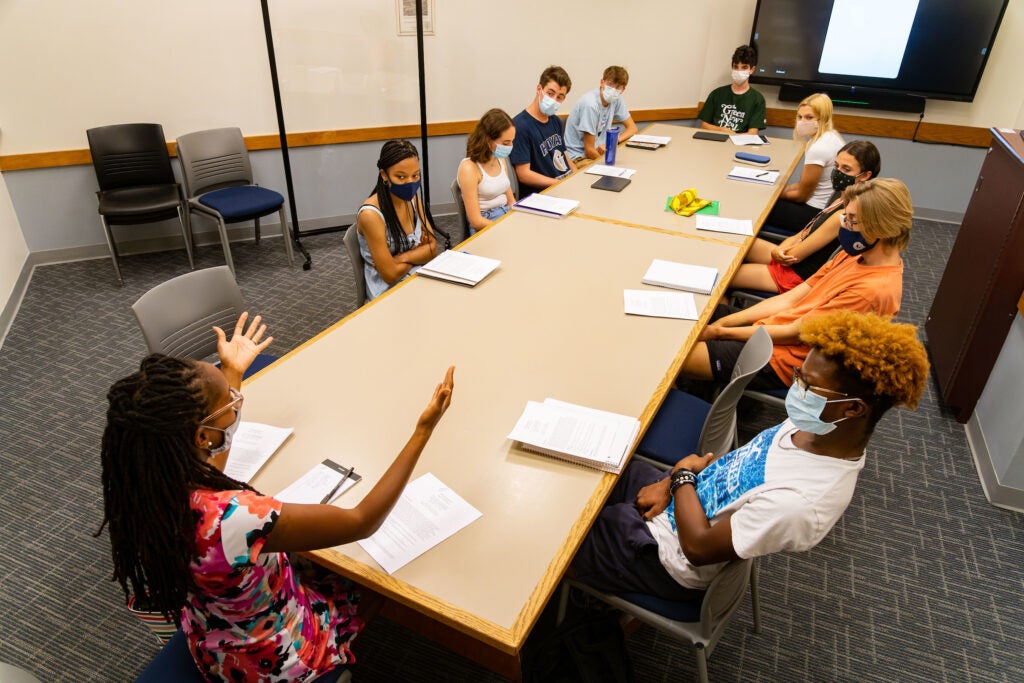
(585, 436)
(546, 205)
(733, 226)
(459, 267)
(651, 139)
(679, 305)
(747, 139)
(700, 279)
(613, 171)
(252, 445)
(753, 175)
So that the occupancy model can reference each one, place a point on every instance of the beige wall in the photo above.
(195, 64)
(13, 250)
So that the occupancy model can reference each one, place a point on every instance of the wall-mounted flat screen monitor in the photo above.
(929, 48)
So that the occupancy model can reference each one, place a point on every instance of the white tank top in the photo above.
(492, 189)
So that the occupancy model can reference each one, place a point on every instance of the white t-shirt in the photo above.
(781, 497)
(822, 152)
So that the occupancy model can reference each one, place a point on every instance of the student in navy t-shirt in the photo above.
(539, 154)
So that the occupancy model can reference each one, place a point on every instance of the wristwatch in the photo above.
(680, 477)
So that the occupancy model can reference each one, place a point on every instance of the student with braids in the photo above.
(210, 551)
(396, 231)
(669, 535)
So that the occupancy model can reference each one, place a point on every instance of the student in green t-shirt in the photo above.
(736, 108)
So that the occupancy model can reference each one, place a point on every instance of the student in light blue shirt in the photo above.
(595, 113)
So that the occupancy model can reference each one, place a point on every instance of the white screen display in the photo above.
(867, 37)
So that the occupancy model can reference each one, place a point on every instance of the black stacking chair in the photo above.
(136, 181)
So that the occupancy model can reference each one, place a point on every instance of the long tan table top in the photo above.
(548, 323)
(682, 164)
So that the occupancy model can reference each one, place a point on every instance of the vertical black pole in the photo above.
(281, 131)
(423, 102)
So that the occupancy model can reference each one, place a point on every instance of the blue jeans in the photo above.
(492, 215)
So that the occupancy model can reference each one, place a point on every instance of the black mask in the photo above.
(841, 181)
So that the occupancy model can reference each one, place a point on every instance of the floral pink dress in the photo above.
(256, 617)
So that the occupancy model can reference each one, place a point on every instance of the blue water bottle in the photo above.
(611, 141)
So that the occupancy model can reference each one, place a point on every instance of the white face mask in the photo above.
(805, 128)
(739, 77)
(548, 106)
(609, 94)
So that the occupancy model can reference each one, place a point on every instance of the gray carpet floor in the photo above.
(920, 581)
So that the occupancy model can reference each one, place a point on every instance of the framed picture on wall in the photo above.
(405, 11)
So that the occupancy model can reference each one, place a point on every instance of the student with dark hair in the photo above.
(596, 112)
(540, 157)
(210, 552)
(736, 108)
(396, 230)
(771, 267)
(483, 174)
(669, 535)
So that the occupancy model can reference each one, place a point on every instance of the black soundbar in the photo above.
(854, 97)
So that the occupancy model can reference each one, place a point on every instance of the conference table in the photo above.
(548, 323)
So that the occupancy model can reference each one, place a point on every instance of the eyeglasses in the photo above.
(801, 383)
(847, 222)
(234, 404)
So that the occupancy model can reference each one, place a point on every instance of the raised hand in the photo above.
(439, 402)
(238, 353)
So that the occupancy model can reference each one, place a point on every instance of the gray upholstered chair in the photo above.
(136, 181)
(686, 424)
(176, 316)
(351, 240)
(460, 206)
(219, 184)
(700, 623)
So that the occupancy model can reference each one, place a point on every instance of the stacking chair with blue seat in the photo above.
(136, 181)
(174, 664)
(700, 623)
(219, 183)
(686, 424)
(176, 316)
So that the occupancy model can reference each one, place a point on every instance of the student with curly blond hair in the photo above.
(670, 535)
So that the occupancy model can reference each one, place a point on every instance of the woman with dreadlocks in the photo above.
(396, 230)
(210, 551)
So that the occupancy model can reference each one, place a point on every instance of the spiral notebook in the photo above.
(576, 434)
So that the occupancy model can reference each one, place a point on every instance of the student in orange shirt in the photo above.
(866, 276)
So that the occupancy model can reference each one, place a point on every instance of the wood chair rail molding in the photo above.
(969, 136)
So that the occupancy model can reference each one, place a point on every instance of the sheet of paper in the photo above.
(746, 139)
(679, 305)
(754, 175)
(316, 484)
(252, 445)
(426, 513)
(656, 139)
(596, 435)
(614, 171)
(735, 226)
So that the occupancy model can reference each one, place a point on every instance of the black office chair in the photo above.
(136, 181)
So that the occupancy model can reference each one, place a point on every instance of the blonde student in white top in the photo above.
(802, 200)
(483, 174)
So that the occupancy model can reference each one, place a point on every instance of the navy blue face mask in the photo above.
(853, 242)
(405, 191)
